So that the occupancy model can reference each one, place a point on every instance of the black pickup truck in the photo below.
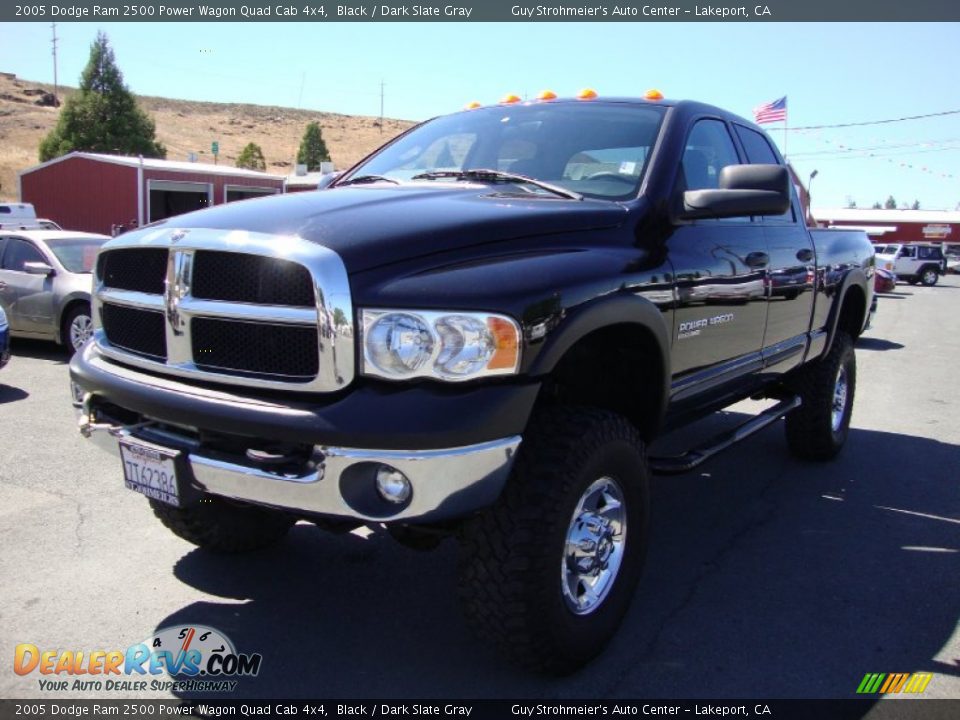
(476, 332)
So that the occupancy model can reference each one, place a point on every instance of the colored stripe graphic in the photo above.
(886, 683)
(894, 683)
(870, 683)
(918, 683)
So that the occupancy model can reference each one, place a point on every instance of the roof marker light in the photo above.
(547, 95)
(653, 95)
(510, 99)
(587, 94)
(471, 105)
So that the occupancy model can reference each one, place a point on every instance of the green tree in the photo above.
(313, 150)
(916, 205)
(103, 116)
(251, 157)
(890, 204)
(876, 206)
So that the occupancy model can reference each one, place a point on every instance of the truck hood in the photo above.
(370, 226)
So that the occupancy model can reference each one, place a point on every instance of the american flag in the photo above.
(775, 111)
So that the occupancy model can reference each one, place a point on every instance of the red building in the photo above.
(886, 226)
(111, 193)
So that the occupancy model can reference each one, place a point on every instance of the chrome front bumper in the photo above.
(340, 482)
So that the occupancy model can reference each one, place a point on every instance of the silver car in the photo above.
(45, 283)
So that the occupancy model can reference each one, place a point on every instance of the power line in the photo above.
(929, 146)
(875, 122)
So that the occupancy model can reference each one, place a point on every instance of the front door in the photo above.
(719, 269)
(27, 298)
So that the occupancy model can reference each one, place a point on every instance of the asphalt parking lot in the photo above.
(767, 577)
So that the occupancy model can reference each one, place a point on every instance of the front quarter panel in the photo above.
(69, 288)
(547, 289)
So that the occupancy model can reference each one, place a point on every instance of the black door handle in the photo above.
(757, 260)
(805, 255)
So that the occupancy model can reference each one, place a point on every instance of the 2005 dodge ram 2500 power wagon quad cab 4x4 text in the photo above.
(476, 331)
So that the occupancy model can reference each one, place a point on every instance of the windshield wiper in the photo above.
(487, 175)
(360, 179)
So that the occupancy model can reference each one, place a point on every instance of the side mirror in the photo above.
(327, 178)
(744, 190)
(38, 268)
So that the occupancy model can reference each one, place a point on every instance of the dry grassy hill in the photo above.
(185, 126)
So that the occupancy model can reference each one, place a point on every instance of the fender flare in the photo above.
(621, 309)
(855, 277)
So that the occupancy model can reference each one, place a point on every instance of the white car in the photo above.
(913, 262)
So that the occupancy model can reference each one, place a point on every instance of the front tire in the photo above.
(224, 526)
(818, 429)
(77, 327)
(548, 572)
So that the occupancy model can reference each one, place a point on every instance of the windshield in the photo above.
(598, 150)
(77, 255)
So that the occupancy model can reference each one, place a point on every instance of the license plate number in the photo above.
(150, 471)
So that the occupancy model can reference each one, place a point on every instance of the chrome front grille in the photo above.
(230, 306)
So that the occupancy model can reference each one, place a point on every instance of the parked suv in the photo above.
(913, 262)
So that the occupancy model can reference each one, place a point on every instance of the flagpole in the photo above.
(786, 114)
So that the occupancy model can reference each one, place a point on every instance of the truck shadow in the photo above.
(766, 577)
(873, 343)
(9, 394)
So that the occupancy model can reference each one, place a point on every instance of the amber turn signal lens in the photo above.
(587, 94)
(653, 95)
(510, 99)
(547, 95)
(471, 105)
(507, 343)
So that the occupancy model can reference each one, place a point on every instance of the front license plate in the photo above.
(150, 471)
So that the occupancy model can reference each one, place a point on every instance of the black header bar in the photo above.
(900, 709)
(482, 11)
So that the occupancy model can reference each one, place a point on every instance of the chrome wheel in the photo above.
(839, 407)
(81, 328)
(929, 277)
(594, 547)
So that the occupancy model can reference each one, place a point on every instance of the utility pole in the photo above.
(381, 107)
(53, 42)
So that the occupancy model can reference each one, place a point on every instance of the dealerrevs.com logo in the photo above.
(177, 658)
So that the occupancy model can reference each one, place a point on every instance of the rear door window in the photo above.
(758, 151)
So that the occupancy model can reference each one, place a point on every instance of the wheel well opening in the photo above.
(617, 368)
(852, 312)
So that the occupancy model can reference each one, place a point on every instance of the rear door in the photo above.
(719, 269)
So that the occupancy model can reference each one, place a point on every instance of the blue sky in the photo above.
(832, 73)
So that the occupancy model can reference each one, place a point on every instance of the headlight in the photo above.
(452, 346)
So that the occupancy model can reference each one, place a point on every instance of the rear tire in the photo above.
(818, 429)
(223, 526)
(548, 572)
(929, 276)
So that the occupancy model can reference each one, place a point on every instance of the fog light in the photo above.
(393, 485)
